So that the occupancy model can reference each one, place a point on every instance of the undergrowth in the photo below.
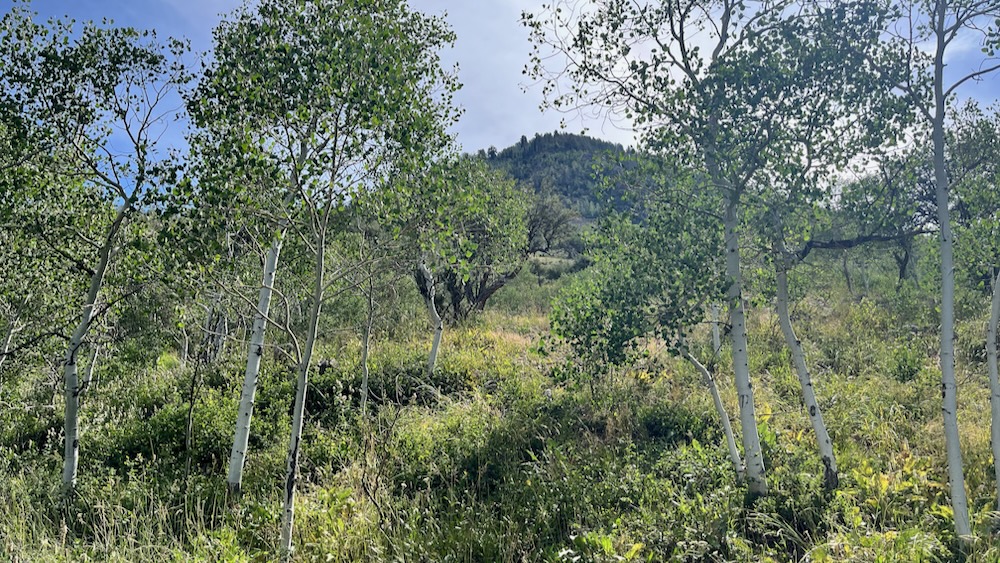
(494, 459)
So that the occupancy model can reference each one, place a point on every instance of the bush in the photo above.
(673, 425)
(905, 363)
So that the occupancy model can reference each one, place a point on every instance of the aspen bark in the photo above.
(298, 412)
(716, 338)
(71, 425)
(71, 377)
(71, 374)
(88, 376)
(727, 427)
(255, 351)
(7, 341)
(755, 473)
(366, 341)
(220, 333)
(436, 322)
(185, 346)
(949, 387)
(991, 359)
(436, 343)
(753, 455)
(831, 479)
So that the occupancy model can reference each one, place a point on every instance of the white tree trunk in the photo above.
(436, 343)
(830, 477)
(88, 376)
(991, 359)
(755, 473)
(255, 351)
(71, 425)
(298, 413)
(949, 389)
(220, 332)
(716, 337)
(71, 377)
(185, 346)
(727, 427)
(436, 322)
(7, 341)
(366, 341)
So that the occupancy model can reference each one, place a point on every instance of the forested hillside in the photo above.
(257, 306)
(562, 164)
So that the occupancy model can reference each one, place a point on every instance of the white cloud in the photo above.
(491, 49)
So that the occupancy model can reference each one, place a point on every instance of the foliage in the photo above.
(653, 272)
(496, 468)
(482, 244)
(973, 147)
(559, 165)
(323, 125)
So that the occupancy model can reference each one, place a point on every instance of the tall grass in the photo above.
(494, 459)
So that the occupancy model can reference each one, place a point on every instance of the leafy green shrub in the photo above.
(970, 341)
(905, 363)
(902, 495)
(794, 514)
(862, 546)
(161, 435)
(330, 400)
(675, 424)
(324, 453)
(31, 430)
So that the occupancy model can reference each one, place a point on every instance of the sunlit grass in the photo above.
(497, 458)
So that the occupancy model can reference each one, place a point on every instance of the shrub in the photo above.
(905, 363)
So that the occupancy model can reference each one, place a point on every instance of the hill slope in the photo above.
(557, 163)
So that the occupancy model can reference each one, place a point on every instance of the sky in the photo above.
(491, 51)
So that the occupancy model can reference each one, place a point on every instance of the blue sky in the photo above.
(491, 50)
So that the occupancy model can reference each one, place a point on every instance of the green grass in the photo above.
(504, 462)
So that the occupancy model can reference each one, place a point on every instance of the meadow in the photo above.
(503, 457)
